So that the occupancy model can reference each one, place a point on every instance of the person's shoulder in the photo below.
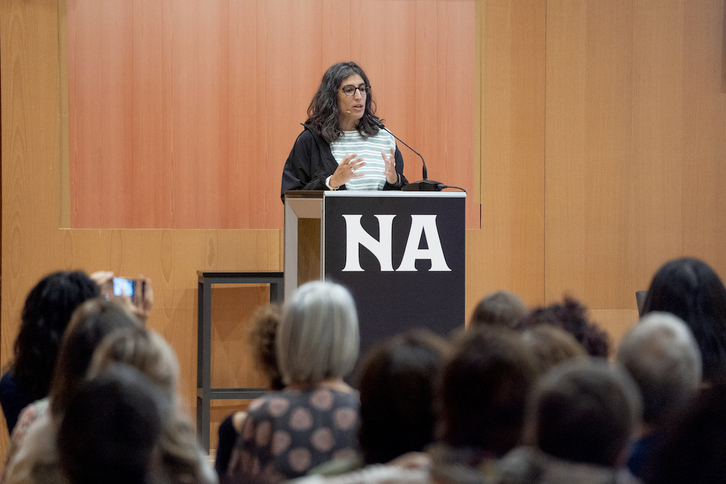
(31, 413)
(272, 403)
(8, 383)
(347, 399)
(308, 135)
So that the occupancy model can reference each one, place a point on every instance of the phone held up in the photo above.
(123, 286)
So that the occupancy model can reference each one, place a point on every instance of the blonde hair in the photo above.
(142, 349)
(148, 352)
(93, 321)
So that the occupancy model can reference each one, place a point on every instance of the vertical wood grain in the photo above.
(635, 144)
(508, 251)
(182, 113)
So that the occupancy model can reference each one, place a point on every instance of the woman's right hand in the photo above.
(346, 170)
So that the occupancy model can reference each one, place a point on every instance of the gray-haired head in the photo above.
(662, 356)
(318, 336)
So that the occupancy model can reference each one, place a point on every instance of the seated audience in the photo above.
(549, 346)
(315, 418)
(501, 308)
(396, 386)
(691, 290)
(396, 383)
(180, 454)
(580, 421)
(663, 359)
(694, 449)
(119, 444)
(572, 317)
(46, 313)
(262, 345)
(33, 455)
(483, 391)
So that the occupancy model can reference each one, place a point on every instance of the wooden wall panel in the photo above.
(182, 113)
(588, 151)
(508, 251)
(634, 146)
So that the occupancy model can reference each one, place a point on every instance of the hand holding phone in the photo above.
(124, 287)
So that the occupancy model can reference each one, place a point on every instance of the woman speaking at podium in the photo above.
(342, 146)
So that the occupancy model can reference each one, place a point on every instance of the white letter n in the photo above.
(356, 236)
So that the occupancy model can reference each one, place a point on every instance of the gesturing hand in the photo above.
(390, 167)
(347, 170)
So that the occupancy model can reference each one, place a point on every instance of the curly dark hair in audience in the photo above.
(324, 113)
(47, 311)
(396, 395)
(691, 290)
(572, 317)
(262, 342)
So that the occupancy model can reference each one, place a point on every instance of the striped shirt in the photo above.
(370, 150)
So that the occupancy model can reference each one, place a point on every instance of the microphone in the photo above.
(424, 185)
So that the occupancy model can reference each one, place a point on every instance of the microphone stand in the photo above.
(424, 185)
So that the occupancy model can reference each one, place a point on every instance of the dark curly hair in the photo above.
(47, 311)
(323, 112)
(262, 342)
(571, 316)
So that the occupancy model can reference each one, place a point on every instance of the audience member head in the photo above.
(499, 308)
(696, 444)
(549, 346)
(92, 321)
(318, 336)
(483, 391)
(572, 317)
(262, 342)
(396, 392)
(691, 290)
(142, 349)
(150, 354)
(111, 428)
(47, 311)
(663, 359)
(585, 411)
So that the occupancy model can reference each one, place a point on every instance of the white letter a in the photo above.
(421, 224)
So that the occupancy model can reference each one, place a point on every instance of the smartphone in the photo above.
(123, 286)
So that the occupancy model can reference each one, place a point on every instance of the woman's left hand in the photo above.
(390, 168)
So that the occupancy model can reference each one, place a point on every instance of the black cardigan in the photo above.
(310, 163)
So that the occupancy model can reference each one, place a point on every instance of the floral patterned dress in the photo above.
(289, 432)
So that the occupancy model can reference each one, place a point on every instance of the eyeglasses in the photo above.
(349, 90)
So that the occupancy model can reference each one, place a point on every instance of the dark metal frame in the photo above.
(205, 394)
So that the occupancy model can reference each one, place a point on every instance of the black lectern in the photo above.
(401, 255)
